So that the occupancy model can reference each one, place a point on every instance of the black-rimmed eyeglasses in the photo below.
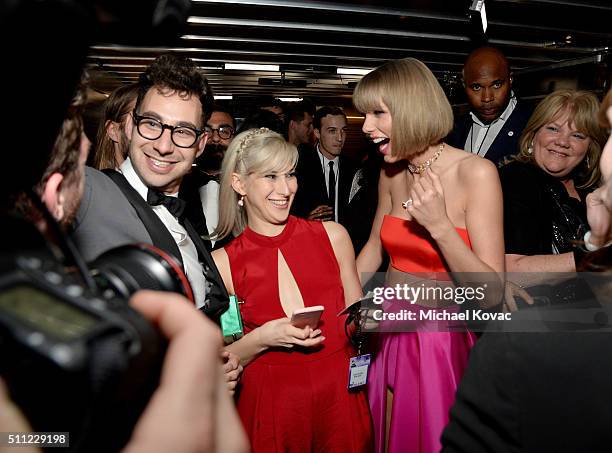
(224, 132)
(152, 129)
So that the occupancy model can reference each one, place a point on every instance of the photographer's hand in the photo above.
(191, 410)
(12, 420)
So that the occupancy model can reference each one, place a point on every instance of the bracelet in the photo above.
(590, 246)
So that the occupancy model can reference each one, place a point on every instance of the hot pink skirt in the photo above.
(423, 370)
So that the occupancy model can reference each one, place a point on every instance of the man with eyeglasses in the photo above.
(220, 128)
(200, 188)
(140, 204)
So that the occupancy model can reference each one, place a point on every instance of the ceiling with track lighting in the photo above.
(320, 49)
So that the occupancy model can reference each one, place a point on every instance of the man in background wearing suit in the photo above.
(496, 119)
(140, 204)
(326, 177)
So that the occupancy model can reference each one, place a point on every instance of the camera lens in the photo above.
(129, 268)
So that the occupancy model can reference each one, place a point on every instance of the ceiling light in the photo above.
(478, 15)
(291, 99)
(353, 71)
(252, 67)
(223, 96)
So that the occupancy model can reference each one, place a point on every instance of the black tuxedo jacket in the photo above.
(190, 193)
(312, 190)
(217, 298)
(507, 141)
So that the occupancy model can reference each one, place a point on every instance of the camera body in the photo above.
(74, 359)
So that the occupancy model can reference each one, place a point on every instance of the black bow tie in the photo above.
(215, 178)
(175, 205)
(205, 178)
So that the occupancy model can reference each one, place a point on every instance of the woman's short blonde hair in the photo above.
(582, 108)
(421, 113)
(252, 151)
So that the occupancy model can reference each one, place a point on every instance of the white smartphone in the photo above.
(307, 316)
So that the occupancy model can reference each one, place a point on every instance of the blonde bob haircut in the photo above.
(253, 151)
(421, 113)
(582, 108)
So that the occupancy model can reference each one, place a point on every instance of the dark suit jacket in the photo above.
(312, 190)
(189, 192)
(507, 141)
(534, 392)
(362, 207)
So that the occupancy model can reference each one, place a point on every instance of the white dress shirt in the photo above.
(189, 253)
(209, 195)
(482, 135)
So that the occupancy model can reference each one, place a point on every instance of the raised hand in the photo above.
(599, 218)
(427, 204)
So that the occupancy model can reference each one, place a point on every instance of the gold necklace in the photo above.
(420, 168)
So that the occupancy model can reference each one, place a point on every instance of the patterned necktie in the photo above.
(175, 205)
(332, 189)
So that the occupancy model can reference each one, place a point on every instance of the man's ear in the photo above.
(52, 196)
(238, 184)
(317, 133)
(201, 144)
(113, 130)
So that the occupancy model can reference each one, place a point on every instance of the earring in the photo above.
(241, 201)
(588, 163)
(530, 148)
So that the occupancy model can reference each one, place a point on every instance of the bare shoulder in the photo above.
(221, 259)
(219, 255)
(473, 168)
(336, 232)
(340, 242)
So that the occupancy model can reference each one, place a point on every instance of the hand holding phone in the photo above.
(307, 316)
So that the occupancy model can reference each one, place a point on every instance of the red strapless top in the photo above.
(411, 247)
